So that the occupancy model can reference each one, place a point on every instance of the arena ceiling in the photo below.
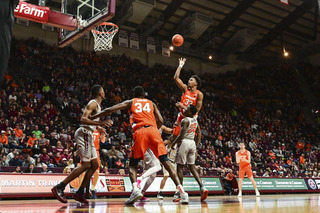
(266, 26)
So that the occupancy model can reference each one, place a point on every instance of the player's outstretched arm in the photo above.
(183, 131)
(166, 130)
(158, 116)
(176, 77)
(89, 121)
(124, 105)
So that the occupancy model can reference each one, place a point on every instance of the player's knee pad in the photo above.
(134, 162)
(163, 158)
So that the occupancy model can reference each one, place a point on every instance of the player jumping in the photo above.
(191, 95)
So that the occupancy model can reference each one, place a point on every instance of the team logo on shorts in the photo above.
(312, 184)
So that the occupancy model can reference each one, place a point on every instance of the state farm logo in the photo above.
(312, 184)
(25, 9)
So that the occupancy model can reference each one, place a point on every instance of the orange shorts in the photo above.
(243, 171)
(145, 138)
(176, 130)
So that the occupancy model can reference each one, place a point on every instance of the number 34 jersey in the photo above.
(142, 113)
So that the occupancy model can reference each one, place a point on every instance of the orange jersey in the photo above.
(189, 98)
(96, 141)
(243, 156)
(142, 113)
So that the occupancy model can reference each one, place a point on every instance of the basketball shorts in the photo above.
(176, 130)
(150, 160)
(145, 138)
(186, 152)
(245, 170)
(84, 141)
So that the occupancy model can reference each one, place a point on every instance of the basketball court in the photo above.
(265, 203)
(91, 18)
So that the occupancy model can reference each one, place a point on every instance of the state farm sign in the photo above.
(32, 12)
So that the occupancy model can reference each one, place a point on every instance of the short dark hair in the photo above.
(95, 90)
(193, 109)
(138, 91)
(198, 80)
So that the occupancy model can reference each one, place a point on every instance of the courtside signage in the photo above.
(33, 183)
(275, 184)
(189, 184)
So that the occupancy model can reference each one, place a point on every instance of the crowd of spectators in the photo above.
(40, 112)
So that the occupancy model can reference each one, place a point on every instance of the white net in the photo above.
(103, 36)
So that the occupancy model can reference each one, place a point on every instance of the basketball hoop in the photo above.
(103, 36)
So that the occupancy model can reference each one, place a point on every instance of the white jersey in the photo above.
(191, 129)
(92, 127)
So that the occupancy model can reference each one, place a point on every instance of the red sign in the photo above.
(32, 12)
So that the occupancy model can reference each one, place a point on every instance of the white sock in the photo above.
(160, 190)
(180, 188)
(135, 186)
(240, 191)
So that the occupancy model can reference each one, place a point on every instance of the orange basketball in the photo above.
(177, 40)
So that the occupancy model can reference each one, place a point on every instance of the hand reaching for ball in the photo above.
(182, 61)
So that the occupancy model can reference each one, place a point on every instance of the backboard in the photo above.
(90, 13)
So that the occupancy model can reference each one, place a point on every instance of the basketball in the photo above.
(177, 40)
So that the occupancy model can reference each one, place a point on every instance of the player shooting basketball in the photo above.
(191, 95)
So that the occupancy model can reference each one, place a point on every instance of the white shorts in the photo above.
(186, 152)
(84, 141)
(150, 160)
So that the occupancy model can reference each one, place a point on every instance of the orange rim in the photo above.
(106, 24)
